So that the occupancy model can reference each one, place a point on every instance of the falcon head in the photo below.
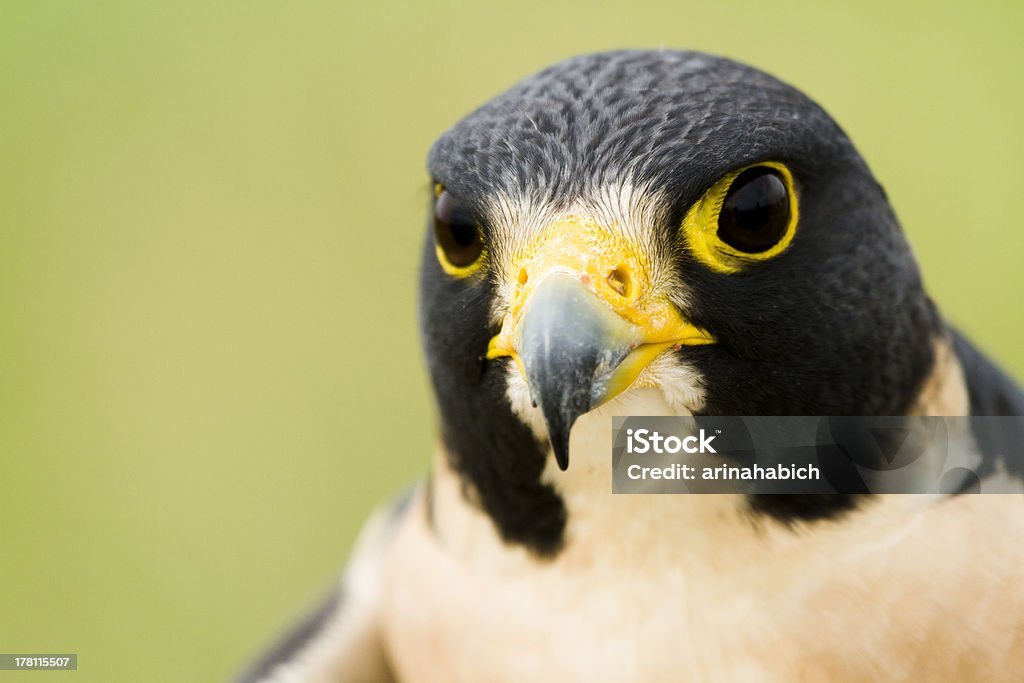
(656, 221)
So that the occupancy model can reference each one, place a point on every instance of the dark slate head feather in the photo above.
(677, 120)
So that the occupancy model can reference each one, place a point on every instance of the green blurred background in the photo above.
(210, 216)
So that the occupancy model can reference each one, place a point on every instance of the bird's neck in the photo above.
(607, 527)
(602, 528)
(615, 529)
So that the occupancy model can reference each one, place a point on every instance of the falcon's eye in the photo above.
(460, 246)
(755, 212)
(748, 216)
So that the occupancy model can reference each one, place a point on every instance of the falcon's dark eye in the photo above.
(747, 217)
(755, 212)
(460, 244)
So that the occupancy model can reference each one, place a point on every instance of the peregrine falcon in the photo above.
(668, 233)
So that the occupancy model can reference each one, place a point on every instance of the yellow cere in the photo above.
(700, 227)
(616, 271)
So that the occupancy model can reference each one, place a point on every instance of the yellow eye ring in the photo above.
(458, 238)
(759, 222)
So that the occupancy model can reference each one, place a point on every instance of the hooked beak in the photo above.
(584, 324)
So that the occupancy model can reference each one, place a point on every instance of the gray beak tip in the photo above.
(560, 445)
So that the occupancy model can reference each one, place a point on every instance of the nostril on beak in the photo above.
(619, 280)
(523, 277)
